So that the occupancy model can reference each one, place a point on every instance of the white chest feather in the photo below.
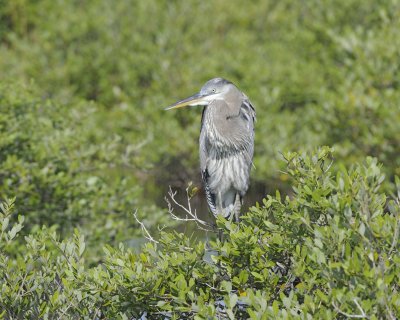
(230, 172)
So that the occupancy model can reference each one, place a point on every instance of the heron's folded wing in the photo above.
(248, 113)
(203, 166)
(209, 195)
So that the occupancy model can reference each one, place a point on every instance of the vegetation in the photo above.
(85, 143)
(330, 251)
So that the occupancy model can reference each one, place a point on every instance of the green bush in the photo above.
(84, 143)
(329, 251)
(59, 165)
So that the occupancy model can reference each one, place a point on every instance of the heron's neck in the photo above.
(220, 124)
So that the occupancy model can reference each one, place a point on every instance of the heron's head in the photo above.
(213, 89)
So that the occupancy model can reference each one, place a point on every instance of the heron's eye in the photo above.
(214, 90)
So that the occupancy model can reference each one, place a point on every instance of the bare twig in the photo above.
(190, 215)
(353, 316)
(396, 229)
(329, 166)
(359, 307)
(395, 238)
(144, 229)
(58, 246)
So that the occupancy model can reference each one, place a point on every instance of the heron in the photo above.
(226, 144)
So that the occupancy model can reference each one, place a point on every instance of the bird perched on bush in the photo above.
(226, 144)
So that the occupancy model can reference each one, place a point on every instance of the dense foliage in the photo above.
(85, 143)
(330, 251)
(56, 164)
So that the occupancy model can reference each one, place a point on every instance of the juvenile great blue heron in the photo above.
(226, 144)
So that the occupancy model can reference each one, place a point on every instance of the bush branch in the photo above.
(147, 234)
(190, 215)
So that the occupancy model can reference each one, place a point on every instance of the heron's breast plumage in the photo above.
(227, 160)
(227, 171)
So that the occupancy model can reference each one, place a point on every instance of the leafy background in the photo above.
(84, 140)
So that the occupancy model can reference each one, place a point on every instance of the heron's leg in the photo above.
(219, 203)
(220, 235)
(237, 206)
(219, 211)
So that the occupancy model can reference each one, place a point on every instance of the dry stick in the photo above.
(144, 229)
(190, 215)
(359, 307)
(396, 230)
(354, 316)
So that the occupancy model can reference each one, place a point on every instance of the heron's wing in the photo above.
(209, 195)
(204, 150)
(248, 115)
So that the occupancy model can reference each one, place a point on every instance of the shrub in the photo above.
(65, 172)
(331, 250)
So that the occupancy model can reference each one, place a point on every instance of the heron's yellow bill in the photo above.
(195, 100)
